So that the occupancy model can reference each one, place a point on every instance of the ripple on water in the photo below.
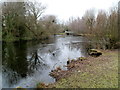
(53, 55)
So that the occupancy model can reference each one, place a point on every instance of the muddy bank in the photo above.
(90, 72)
(74, 64)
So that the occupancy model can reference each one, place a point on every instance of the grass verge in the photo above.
(99, 72)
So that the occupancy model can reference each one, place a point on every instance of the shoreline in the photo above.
(89, 72)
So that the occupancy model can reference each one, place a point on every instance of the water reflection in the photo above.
(35, 61)
(14, 61)
(26, 63)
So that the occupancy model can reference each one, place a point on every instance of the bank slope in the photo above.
(99, 72)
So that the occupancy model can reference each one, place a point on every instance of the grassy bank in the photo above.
(94, 72)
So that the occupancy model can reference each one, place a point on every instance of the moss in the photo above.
(94, 52)
(82, 58)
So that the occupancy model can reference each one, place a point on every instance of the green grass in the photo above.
(102, 73)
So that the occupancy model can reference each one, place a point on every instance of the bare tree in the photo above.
(100, 31)
(89, 18)
(113, 27)
(50, 24)
(34, 12)
(77, 25)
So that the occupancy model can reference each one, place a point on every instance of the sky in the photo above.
(64, 9)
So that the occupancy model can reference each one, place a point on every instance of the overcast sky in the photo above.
(64, 9)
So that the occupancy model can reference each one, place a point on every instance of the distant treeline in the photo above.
(101, 29)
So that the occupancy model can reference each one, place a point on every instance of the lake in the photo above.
(27, 63)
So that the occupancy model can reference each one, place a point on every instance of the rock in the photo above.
(94, 52)
(58, 68)
(68, 62)
(55, 73)
(82, 58)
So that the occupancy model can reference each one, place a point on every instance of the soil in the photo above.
(88, 72)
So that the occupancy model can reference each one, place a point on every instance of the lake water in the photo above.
(27, 63)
